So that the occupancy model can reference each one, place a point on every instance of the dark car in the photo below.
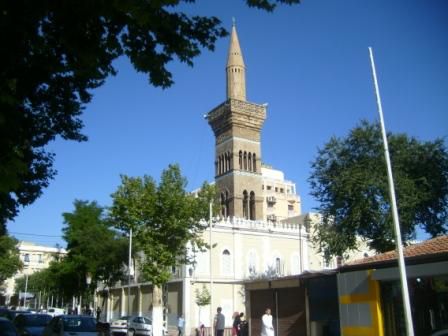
(31, 324)
(11, 314)
(7, 328)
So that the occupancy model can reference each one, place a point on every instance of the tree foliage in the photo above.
(349, 180)
(56, 52)
(9, 258)
(203, 296)
(164, 219)
(93, 247)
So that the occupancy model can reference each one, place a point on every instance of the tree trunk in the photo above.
(157, 311)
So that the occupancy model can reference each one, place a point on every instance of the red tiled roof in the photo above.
(431, 247)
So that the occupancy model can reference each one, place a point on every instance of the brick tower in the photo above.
(236, 124)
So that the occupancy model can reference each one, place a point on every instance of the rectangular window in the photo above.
(276, 189)
(40, 260)
(282, 190)
(268, 187)
(26, 258)
(290, 207)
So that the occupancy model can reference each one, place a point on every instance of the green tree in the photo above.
(93, 248)
(9, 258)
(57, 52)
(349, 180)
(164, 219)
(202, 298)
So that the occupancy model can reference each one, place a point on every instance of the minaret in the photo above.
(237, 124)
(235, 70)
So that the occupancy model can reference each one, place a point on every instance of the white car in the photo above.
(119, 326)
(69, 325)
(139, 325)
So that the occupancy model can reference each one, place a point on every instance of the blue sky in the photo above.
(309, 62)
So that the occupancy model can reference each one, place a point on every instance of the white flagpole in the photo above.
(398, 242)
(210, 269)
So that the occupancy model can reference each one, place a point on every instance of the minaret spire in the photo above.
(235, 69)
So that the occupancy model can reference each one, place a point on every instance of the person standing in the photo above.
(267, 329)
(181, 325)
(220, 322)
(236, 324)
(243, 326)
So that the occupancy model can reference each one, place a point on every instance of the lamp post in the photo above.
(129, 272)
(88, 282)
(210, 268)
(26, 290)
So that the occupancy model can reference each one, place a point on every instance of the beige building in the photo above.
(260, 231)
(35, 258)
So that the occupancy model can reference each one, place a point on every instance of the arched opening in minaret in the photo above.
(245, 205)
(226, 162)
(229, 157)
(241, 160)
(249, 162)
(223, 205)
(254, 163)
(227, 205)
(245, 160)
(252, 205)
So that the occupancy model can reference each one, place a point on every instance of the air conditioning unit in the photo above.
(271, 199)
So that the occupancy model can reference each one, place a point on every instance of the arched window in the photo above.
(252, 205)
(254, 162)
(216, 168)
(295, 264)
(220, 165)
(223, 205)
(252, 263)
(241, 160)
(226, 262)
(245, 160)
(230, 157)
(226, 162)
(227, 204)
(245, 205)
(278, 265)
(249, 162)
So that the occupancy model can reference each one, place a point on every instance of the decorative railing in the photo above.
(259, 225)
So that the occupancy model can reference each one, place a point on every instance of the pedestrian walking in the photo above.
(236, 324)
(220, 322)
(244, 328)
(267, 329)
(181, 325)
(98, 313)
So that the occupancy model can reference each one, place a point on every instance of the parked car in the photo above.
(11, 314)
(119, 326)
(139, 325)
(7, 328)
(68, 325)
(55, 311)
(31, 324)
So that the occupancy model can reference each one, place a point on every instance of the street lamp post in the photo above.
(26, 289)
(88, 282)
(129, 272)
